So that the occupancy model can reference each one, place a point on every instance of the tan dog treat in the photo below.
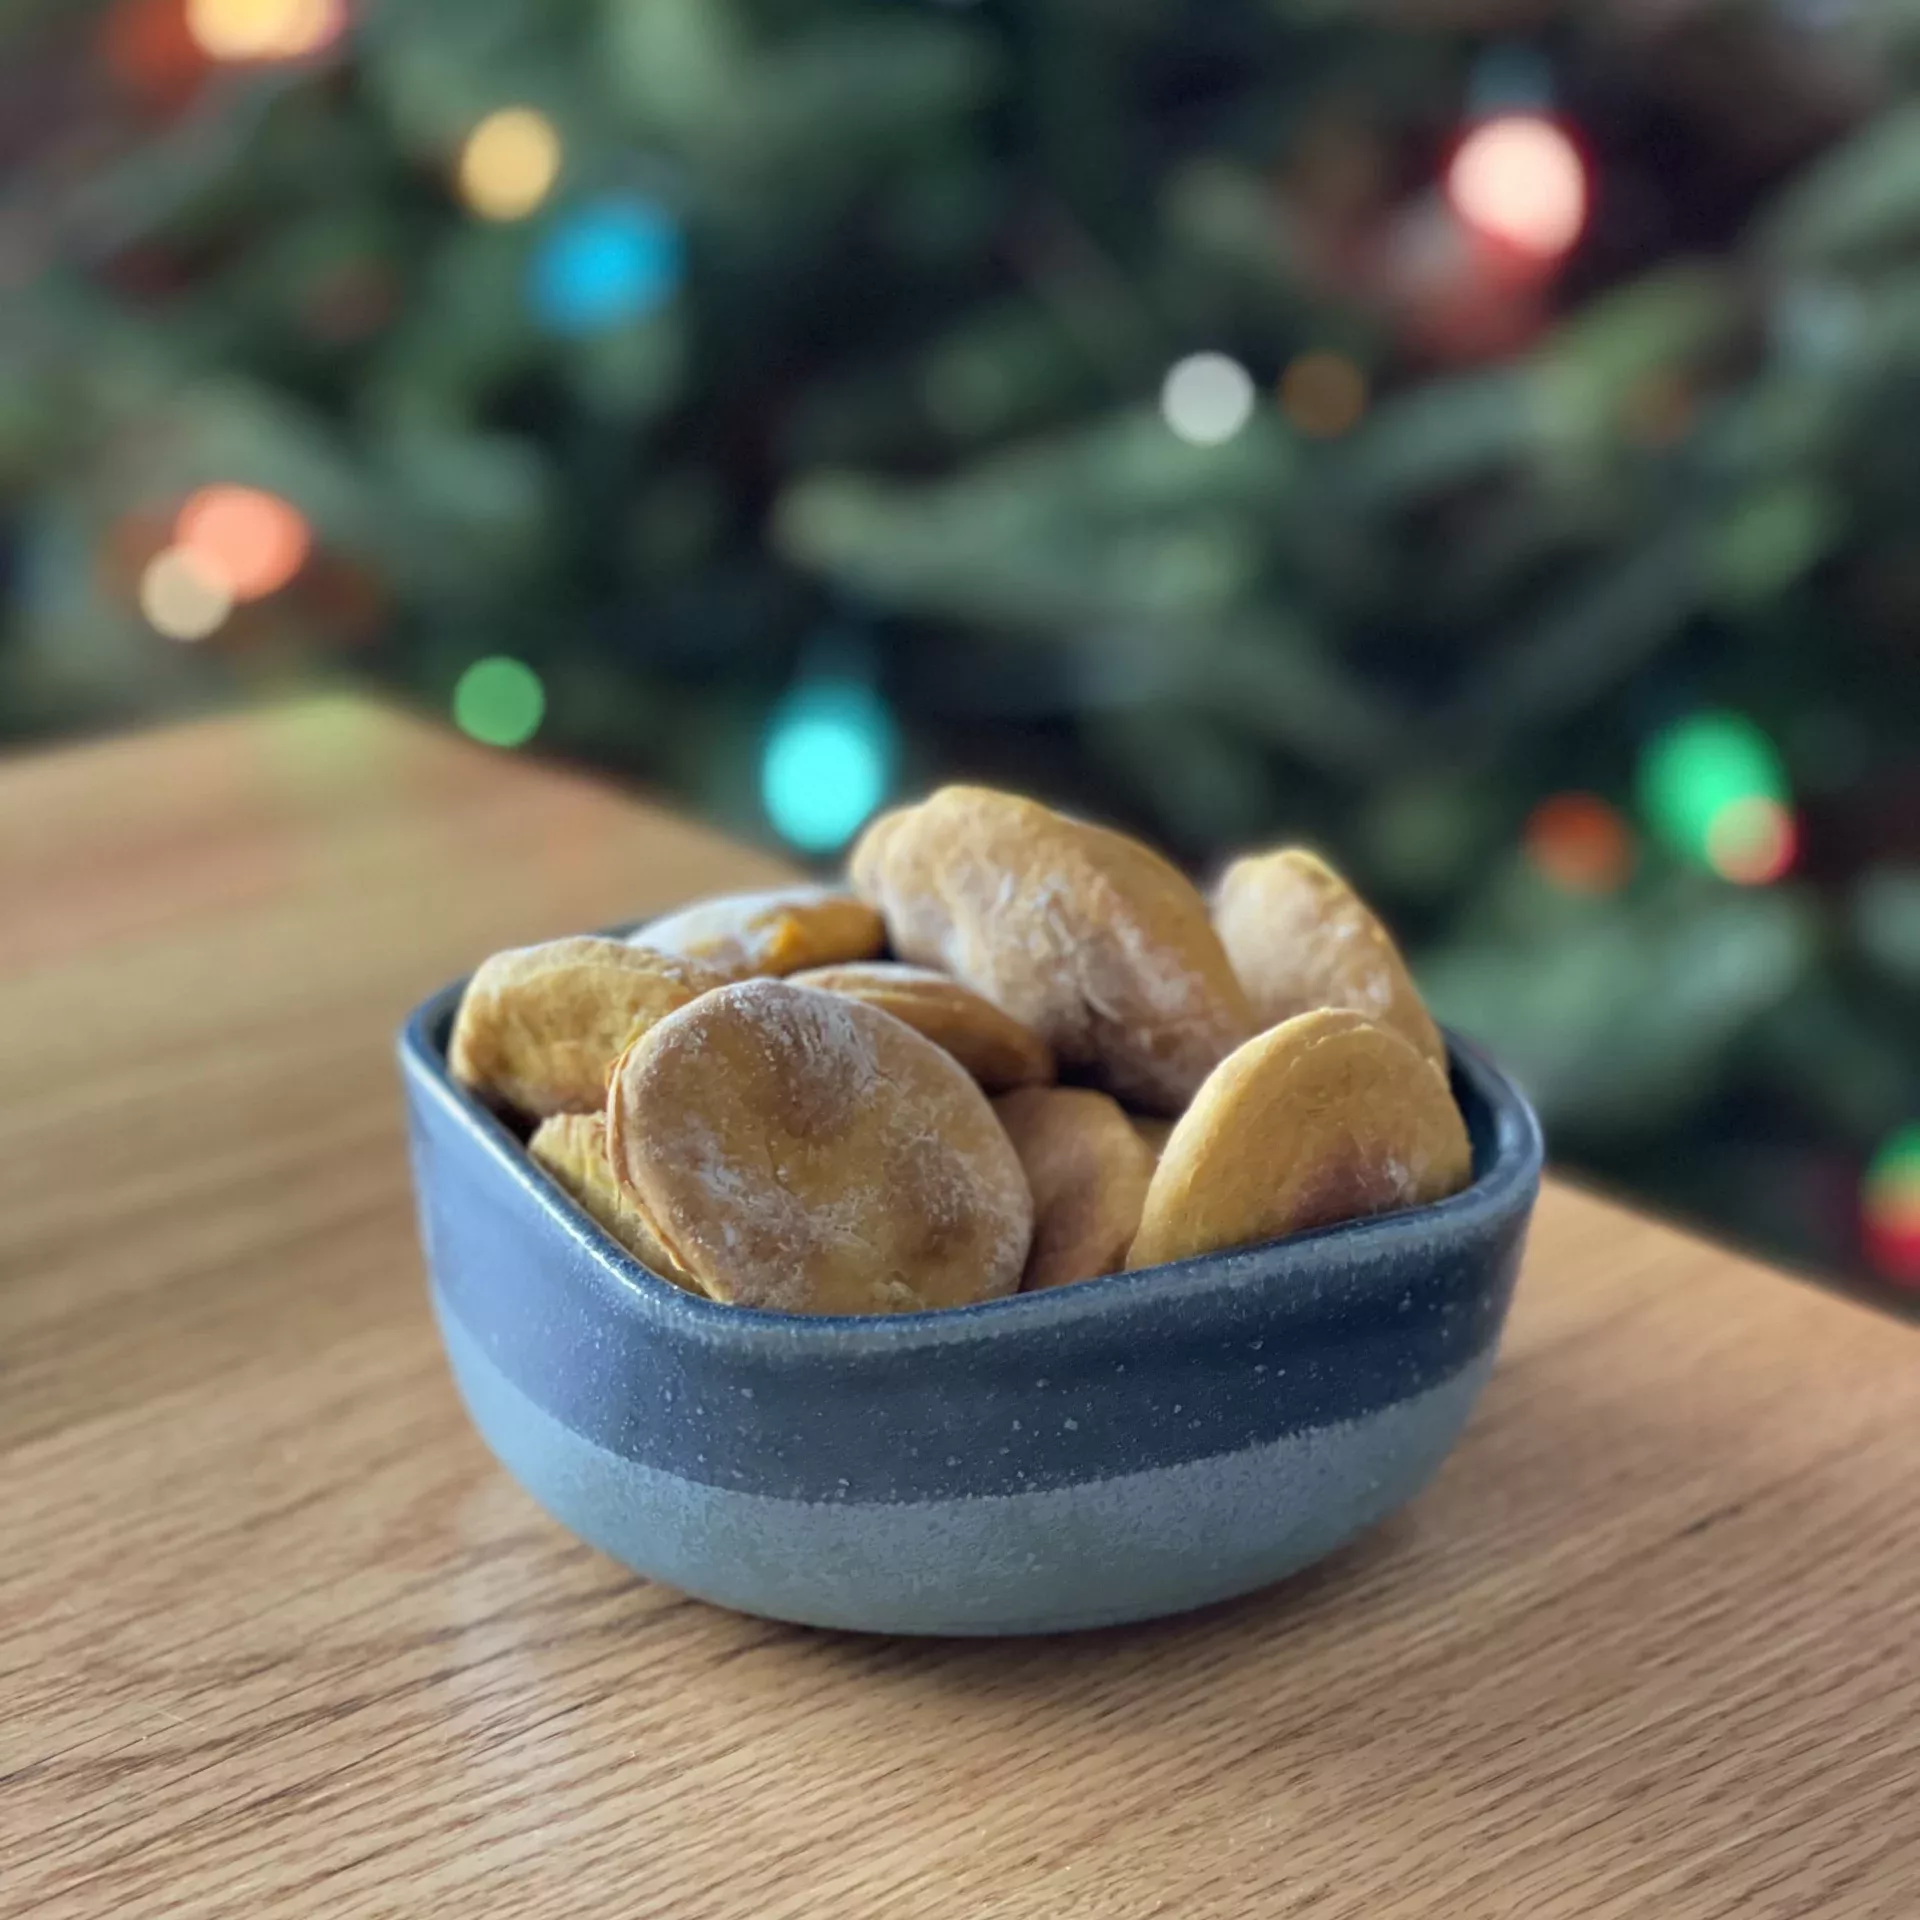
(1299, 937)
(993, 1046)
(573, 1148)
(808, 1153)
(1087, 937)
(1323, 1118)
(1088, 1170)
(740, 935)
(1154, 1132)
(539, 1028)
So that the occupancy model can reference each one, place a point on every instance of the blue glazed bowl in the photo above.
(1103, 1452)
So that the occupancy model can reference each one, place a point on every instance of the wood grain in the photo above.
(279, 1639)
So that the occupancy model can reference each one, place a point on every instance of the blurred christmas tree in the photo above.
(1479, 436)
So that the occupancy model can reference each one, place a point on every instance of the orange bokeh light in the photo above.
(1580, 843)
(146, 45)
(1520, 180)
(1752, 841)
(1323, 394)
(252, 541)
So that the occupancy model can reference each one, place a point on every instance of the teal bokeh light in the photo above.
(604, 264)
(828, 763)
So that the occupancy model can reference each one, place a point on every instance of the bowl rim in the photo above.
(1365, 1248)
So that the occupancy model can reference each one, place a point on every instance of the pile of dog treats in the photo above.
(1017, 1050)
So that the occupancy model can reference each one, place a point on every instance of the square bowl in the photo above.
(1108, 1451)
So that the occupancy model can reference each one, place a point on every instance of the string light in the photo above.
(608, 263)
(1519, 180)
(1752, 841)
(1207, 398)
(828, 763)
(1323, 394)
(180, 598)
(499, 701)
(1890, 1206)
(1579, 843)
(236, 30)
(1713, 788)
(509, 163)
(252, 541)
(148, 46)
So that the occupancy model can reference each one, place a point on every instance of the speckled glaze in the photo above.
(1097, 1453)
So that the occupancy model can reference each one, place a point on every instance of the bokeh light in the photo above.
(148, 47)
(1519, 179)
(1752, 841)
(1659, 409)
(607, 263)
(1323, 394)
(1207, 398)
(1580, 843)
(509, 163)
(828, 763)
(264, 29)
(252, 541)
(180, 597)
(1890, 1206)
(499, 701)
(1699, 781)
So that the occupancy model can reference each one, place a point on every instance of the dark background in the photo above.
(807, 439)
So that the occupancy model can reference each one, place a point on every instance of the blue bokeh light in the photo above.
(605, 263)
(828, 763)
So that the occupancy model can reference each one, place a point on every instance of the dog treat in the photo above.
(1323, 1118)
(1088, 1170)
(540, 1027)
(1299, 938)
(1093, 941)
(805, 1152)
(573, 1148)
(740, 935)
(993, 1046)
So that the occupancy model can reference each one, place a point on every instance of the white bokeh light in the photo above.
(1207, 398)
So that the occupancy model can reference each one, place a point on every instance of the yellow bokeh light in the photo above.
(263, 29)
(1323, 394)
(509, 163)
(180, 598)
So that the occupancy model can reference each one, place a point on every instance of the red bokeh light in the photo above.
(253, 541)
(1580, 843)
(1753, 841)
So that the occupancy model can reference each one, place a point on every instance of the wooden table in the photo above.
(279, 1639)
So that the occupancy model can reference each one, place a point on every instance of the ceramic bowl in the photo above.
(1097, 1453)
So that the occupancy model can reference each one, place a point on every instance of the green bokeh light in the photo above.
(500, 701)
(1699, 766)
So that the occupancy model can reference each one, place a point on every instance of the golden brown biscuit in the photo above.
(740, 935)
(1325, 1117)
(993, 1046)
(808, 1153)
(540, 1027)
(1088, 1170)
(573, 1148)
(1299, 937)
(1087, 937)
